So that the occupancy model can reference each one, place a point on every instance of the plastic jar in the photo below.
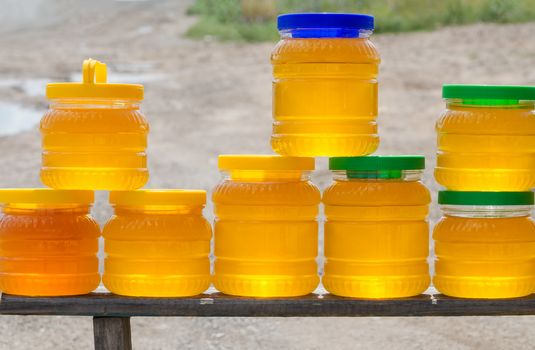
(266, 233)
(376, 232)
(157, 244)
(325, 85)
(48, 242)
(94, 136)
(486, 138)
(485, 245)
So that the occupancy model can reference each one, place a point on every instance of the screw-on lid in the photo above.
(94, 85)
(378, 163)
(325, 20)
(45, 196)
(264, 162)
(485, 198)
(489, 92)
(158, 197)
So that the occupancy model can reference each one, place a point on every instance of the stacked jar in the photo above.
(325, 85)
(376, 230)
(94, 137)
(48, 242)
(157, 244)
(324, 104)
(266, 232)
(486, 160)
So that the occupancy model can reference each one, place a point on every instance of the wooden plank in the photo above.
(214, 305)
(112, 333)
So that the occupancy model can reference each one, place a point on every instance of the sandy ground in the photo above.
(205, 98)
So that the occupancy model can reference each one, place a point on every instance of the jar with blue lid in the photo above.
(325, 71)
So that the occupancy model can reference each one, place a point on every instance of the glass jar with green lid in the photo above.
(486, 138)
(485, 245)
(376, 232)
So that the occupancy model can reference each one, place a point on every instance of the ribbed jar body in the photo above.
(376, 237)
(48, 250)
(325, 96)
(266, 234)
(482, 255)
(157, 251)
(94, 145)
(486, 148)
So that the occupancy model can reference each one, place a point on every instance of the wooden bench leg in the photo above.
(112, 333)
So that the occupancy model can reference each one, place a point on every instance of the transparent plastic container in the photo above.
(94, 136)
(48, 243)
(266, 232)
(325, 86)
(485, 245)
(157, 244)
(376, 230)
(486, 138)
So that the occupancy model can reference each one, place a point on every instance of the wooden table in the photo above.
(111, 314)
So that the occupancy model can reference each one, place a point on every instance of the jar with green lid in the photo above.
(486, 138)
(485, 245)
(376, 232)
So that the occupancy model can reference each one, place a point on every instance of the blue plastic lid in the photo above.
(325, 20)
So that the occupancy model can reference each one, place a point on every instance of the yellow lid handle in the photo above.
(94, 72)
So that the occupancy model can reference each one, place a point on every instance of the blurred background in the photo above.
(205, 67)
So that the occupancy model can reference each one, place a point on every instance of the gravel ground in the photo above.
(205, 98)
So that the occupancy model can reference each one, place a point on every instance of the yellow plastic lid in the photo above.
(264, 162)
(158, 197)
(94, 85)
(45, 196)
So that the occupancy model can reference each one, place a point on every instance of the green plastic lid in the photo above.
(485, 198)
(377, 163)
(489, 92)
(376, 167)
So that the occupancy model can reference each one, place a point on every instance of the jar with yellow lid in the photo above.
(266, 233)
(48, 242)
(157, 244)
(94, 136)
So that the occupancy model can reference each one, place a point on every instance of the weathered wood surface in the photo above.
(112, 333)
(215, 304)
